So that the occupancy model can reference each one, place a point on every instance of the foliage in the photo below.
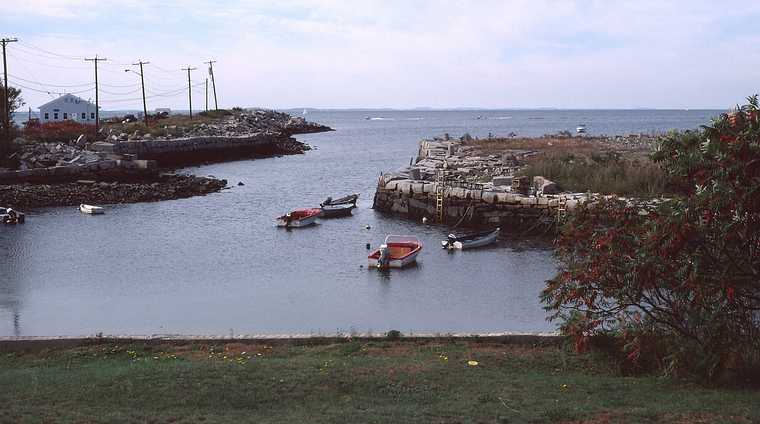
(15, 101)
(58, 132)
(677, 283)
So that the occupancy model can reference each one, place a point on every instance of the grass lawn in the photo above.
(428, 381)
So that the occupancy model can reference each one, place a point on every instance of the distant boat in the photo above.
(10, 216)
(396, 252)
(580, 129)
(299, 218)
(91, 210)
(305, 112)
(470, 241)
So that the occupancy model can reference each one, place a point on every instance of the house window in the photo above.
(92, 115)
(65, 115)
(47, 116)
(84, 115)
(55, 115)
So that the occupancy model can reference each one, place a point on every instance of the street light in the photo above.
(142, 83)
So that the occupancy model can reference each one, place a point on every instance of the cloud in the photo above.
(489, 53)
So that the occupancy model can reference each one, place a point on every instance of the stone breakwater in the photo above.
(449, 171)
(162, 187)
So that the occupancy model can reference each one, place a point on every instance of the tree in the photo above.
(14, 100)
(676, 283)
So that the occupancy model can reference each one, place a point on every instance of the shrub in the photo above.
(58, 132)
(677, 285)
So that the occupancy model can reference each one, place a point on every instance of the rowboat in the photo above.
(90, 209)
(335, 211)
(346, 200)
(299, 218)
(10, 216)
(471, 240)
(396, 252)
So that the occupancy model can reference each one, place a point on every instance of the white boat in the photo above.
(580, 129)
(299, 218)
(470, 241)
(396, 252)
(10, 216)
(90, 209)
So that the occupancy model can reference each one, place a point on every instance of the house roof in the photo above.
(60, 99)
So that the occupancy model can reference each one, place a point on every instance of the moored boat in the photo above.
(580, 129)
(336, 211)
(345, 200)
(471, 240)
(396, 252)
(10, 216)
(299, 218)
(91, 210)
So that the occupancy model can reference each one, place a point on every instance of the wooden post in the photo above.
(5, 147)
(96, 59)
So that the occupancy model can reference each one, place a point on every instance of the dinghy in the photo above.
(346, 200)
(336, 211)
(91, 210)
(10, 216)
(470, 241)
(396, 252)
(299, 218)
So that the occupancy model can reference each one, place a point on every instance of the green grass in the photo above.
(352, 382)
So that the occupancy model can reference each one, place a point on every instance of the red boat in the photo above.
(299, 218)
(396, 252)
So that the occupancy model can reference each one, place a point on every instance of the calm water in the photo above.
(216, 265)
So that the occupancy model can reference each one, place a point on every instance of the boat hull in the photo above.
(297, 223)
(396, 263)
(336, 211)
(91, 210)
(484, 239)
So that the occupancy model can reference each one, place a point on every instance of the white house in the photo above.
(68, 107)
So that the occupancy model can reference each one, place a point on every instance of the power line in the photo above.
(16, 77)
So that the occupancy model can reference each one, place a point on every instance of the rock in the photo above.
(240, 183)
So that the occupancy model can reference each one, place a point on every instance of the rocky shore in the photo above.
(163, 187)
(124, 168)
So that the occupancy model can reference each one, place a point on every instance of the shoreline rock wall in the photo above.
(412, 191)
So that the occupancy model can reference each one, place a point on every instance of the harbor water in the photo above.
(217, 265)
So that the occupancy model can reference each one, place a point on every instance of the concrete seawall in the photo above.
(443, 185)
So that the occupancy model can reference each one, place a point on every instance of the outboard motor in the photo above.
(385, 258)
(288, 219)
(450, 240)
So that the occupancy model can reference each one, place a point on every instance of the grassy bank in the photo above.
(581, 164)
(356, 381)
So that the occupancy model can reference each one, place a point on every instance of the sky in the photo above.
(389, 53)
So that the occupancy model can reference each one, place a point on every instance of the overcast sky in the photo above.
(386, 53)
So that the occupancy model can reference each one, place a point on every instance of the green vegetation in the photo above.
(355, 381)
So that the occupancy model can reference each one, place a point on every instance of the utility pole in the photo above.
(5, 147)
(142, 83)
(96, 59)
(207, 95)
(189, 89)
(213, 84)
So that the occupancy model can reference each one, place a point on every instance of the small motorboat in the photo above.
(11, 217)
(299, 218)
(396, 252)
(470, 241)
(336, 211)
(346, 200)
(91, 210)
(581, 129)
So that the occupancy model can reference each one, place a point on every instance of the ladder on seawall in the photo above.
(562, 210)
(440, 189)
